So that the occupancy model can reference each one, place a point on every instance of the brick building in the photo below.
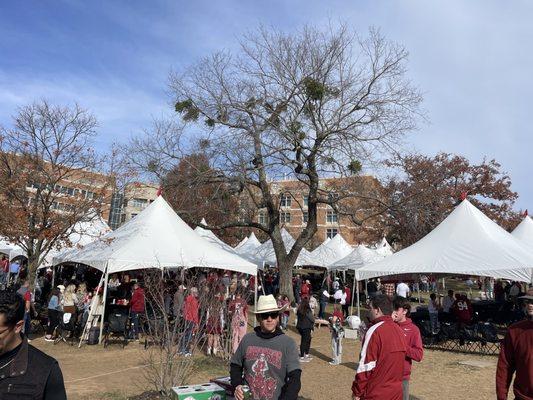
(292, 197)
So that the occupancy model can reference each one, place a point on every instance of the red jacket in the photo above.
(348, 292)
(380, 370)
(304, 291)
(190, 309)
(516, 355)
(137, 300)
(413, 342)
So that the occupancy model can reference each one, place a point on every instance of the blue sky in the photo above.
(470, 58)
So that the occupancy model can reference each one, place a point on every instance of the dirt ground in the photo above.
(93, 372)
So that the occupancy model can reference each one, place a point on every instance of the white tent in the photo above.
(265, 252)
(241, 243)
(82, 233)
(330, 251)
(156, 238)
(467, 242)
(384, 248)
(358, 258)
(524, 231)
(211, 237)
(248, 248)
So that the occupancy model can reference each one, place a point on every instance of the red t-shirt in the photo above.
(339, 315)
(27, 296)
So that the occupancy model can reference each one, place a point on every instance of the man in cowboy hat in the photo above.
(266, 359)
(516, 356)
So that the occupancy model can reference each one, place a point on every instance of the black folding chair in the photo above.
(116, 326)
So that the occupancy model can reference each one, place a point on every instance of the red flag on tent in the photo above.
(525, 213)
(159, 191)
(463, 195)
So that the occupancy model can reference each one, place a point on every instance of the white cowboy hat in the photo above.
(266, 304)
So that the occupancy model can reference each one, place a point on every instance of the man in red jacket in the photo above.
(136, 308)
(413, 339)
(380, 370)
(191, 317)
(516, 356)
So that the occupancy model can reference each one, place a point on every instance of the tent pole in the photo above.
(106, 276)
(53, 276)
(358, 301)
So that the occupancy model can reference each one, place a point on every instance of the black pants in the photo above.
(345, 310)
(53, 321)
(305, 343)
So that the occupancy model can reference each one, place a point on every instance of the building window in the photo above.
(306, 201)
(285, 217)
(305, 217)
(139, 203)
(331, 233)
(285, 200)
(332, 217)
(262, 218)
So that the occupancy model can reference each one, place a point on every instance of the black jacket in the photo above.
(305, 321)
(32, 375)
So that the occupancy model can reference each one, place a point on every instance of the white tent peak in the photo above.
(242, 242)
(358, 258)
(203, 222)
(265, 252)
(211, 237)
(156, 238)
(248, 248)
(466, 242)
(524, 231)
(330, 251)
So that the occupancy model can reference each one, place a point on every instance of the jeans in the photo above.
(284, 320)
(321, 312)
(305, 343)
(27, 323)
(135, 320)
(336, 349)
(434, 322)
(186, 337)
(3, 278)
(405, 389)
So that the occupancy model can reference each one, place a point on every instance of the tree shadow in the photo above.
(318, 354)
(350, 365)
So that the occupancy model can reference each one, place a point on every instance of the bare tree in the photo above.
(303, 106)
(167, 366)
(48, 178)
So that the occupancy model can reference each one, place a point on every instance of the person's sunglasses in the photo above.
(272, 315)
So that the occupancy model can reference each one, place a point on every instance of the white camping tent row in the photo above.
(467, 242)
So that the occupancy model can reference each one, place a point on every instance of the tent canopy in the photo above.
(156, 238)
(524, 231)
(248, 248)
(265, 253)
(467, 242)
(358, 258)
(330, 251)
(211, 237)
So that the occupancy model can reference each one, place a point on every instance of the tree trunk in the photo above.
(33, 264)
(285, 280)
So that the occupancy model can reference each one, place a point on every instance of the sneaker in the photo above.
(333, 363)
(188, 354)
(48, 339)
(303, 359)
(308, 357)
